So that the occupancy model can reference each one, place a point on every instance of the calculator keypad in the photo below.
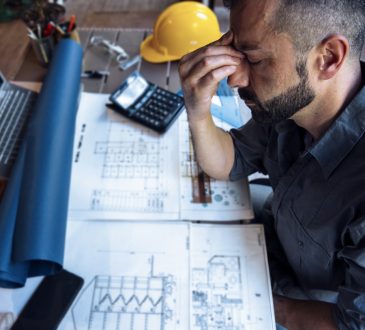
(157, 108)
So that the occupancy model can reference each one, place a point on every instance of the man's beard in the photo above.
(286, 104)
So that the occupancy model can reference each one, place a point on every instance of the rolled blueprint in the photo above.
(33, 210)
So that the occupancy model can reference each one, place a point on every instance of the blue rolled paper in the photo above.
(33, 210)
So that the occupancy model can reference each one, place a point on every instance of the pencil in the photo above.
(32, 34)
(58, 28)
(43, 52)
(71, 23)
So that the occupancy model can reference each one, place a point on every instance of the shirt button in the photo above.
(300, 243)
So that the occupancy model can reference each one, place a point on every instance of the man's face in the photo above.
(272, 81)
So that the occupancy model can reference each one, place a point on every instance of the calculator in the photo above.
(146, 103)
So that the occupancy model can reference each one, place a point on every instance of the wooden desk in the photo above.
(141, 14)
(96, 58)
(14, 42)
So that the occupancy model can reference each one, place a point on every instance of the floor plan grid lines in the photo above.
(129, 160)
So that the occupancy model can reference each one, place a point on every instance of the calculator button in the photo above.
(160, 108)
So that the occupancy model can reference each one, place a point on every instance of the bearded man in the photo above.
(296, 65)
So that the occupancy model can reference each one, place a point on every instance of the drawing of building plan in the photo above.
(122, 170)
(168, 275)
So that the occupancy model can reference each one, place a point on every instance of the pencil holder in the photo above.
(43, 49)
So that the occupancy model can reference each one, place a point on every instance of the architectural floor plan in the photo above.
(153, 271)
(166, 275)
(122, 170)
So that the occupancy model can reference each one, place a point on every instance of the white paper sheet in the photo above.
(225, 200)
(164, 275)
(168, 276)
(136, 275)
(229, 278)
(122, 170)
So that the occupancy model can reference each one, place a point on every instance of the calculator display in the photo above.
(135, 88)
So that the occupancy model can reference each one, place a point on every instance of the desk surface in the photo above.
(15, 49)
(95, 58)
(141, 14)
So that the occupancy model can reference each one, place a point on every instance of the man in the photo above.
(296, 64)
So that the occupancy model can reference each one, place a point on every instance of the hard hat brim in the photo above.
(150, 54)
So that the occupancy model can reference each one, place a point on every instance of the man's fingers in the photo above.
(201, 71)
(225, 40)
(215, 76)
(187, 63)
(209, 82)
(211, 63)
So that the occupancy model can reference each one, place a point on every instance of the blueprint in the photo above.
(163, 275)
(229, 285)
(202, 197)
(168, 275)
(136, 275)
(122, 170)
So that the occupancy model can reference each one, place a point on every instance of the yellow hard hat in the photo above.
(180, 29)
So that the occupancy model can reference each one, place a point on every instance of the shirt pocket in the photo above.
(309, 259)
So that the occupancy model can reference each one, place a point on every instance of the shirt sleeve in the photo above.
(350, 309)
(250, 143)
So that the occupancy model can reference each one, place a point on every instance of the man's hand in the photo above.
(302, 314)
(201, 71)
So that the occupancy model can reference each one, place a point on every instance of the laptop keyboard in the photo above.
(15, 107)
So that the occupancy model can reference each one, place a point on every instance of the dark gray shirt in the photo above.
(318, 205)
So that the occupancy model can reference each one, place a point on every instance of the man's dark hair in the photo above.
(308, 22)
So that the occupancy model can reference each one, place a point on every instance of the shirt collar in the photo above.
(342, 135)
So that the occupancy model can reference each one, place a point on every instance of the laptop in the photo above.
(16, 104)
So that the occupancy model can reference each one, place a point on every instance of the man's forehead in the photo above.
(251, 21)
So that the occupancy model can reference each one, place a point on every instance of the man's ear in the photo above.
(332, 52)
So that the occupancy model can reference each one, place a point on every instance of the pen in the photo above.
(71, 23)
(32, 34)
(48, 30)
(43, 52)
(39, 30)
(58, 28)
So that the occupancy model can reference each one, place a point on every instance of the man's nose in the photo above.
(240, 78)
